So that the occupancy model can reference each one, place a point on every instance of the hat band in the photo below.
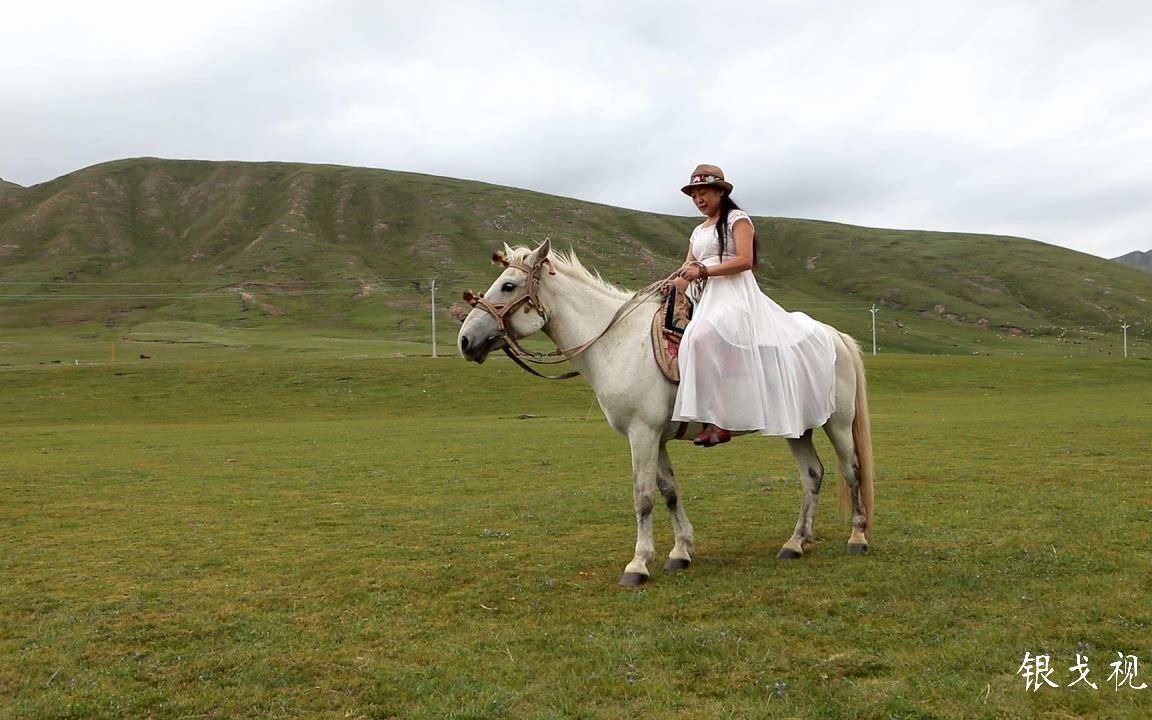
(705, 179)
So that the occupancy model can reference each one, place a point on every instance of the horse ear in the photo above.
(507, 250)
(540, 253)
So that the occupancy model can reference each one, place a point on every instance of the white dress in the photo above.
(745, 362)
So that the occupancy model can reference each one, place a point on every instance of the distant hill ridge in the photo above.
(1137, 259)
(234, 243)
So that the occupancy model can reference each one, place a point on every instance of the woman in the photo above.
(745, 363)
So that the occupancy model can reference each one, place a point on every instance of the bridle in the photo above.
(529, 296)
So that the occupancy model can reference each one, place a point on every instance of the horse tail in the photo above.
(862, 438)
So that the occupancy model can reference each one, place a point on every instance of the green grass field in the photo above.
(224, 534)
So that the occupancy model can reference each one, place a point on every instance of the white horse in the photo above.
(554, 293)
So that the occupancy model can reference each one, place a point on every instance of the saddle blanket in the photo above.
(668, 325)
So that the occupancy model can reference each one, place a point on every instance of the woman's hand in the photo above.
(677, 282)
(693, 271)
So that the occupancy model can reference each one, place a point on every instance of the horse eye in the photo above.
(508, 286)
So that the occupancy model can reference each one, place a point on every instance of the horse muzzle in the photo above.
(477, 350)
(479, 335)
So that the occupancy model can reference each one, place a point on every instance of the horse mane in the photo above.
(570, 265)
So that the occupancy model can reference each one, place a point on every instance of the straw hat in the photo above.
(707, 175)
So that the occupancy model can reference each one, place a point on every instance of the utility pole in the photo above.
(873, 311)
(1125, 327)
(433, 318)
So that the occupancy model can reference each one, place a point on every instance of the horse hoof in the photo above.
(633, 579)
(674, 564)
(789, 554)
(857, 548)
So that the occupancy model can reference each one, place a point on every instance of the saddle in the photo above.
(668, 324)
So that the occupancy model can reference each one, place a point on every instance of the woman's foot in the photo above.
(712, 435)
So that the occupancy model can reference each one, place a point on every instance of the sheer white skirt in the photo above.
(748, 364)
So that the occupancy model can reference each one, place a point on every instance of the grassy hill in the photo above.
(6, 186)
(151, 246)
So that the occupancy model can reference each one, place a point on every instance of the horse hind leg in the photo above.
(850, 430)
(840, 433)
(811, 478)
(681, 556)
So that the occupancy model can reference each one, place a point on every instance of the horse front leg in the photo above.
(681, 556)
(645, 470)
(811, 478)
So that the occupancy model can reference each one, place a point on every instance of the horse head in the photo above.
(510, 308)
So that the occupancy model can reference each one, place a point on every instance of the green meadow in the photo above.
(228, 530)
(235, 485)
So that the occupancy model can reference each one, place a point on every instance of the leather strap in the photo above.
(532, 370)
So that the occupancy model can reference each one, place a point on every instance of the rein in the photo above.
(529, 295)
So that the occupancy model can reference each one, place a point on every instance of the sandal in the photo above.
(709, 438)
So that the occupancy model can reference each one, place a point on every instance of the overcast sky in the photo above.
(1027, 118)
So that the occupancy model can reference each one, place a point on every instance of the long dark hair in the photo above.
(727, 204)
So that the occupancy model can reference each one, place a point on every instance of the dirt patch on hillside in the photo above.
(59, 245)
(984, 283)
(250, 298)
